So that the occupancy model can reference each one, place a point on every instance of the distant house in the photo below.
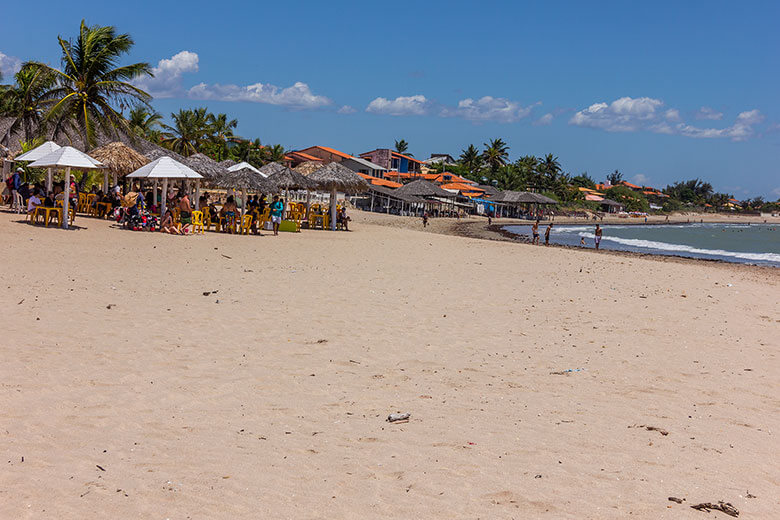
(390, 160)
(447, 177)
(296, 158)
(437, 158)
(358, 165)
(325, 154)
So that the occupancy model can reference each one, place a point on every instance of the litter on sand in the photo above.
(396, 417)
(720, 506)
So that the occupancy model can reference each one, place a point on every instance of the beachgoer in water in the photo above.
(582, 241)
(535, 230)
(597, 240)
(547, 234)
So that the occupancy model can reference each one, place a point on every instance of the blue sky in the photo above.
(662, 91)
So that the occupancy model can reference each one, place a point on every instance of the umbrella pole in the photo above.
(49, 176)
(197, 194)
(243, 203)
(164, 201)
(114, 180)
(333, 209)
(105, 181)
(66, 199)
(308, 203)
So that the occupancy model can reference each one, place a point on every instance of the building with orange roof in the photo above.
(447, 177)
(392, 160)
(324, 153)
(296, 158)
(360, 165)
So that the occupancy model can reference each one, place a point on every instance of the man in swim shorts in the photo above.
(535, 230)
(598, 236)
(277, 208)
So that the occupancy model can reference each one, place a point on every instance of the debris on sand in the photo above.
(675, 499)
(398, 417)
(651, 429)
(720, 506)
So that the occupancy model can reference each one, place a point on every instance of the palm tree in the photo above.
(188, 133)
(221, 131)
(144, 122)
(471, 159)
(24, 101)
(91, 85)
(275, 153)
(496, 154)
(402, 146)
(615, 178)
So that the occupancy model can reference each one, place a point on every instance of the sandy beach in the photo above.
(223, 377)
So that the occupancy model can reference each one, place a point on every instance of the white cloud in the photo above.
(168, 74)
(545, 120)
(640, 179)
(634, 114)
(708, 113)
(299, 95)
(488, 108)
(9, 65)
(346, 109)
(401, 106)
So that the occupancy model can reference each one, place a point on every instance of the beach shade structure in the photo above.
(424, 189)
(119, 159)
(166, 168)
(271, 168)
(335, 177)
(66, 158)
(245, 179)
(227, 163)
(243, 164)
(37, 153)
(308, 167)
(206, 166)
(285, 178)
(156, 153)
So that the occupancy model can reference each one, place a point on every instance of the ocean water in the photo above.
(742, 243)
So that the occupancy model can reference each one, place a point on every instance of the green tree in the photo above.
(91, 85)
(471, 159)
(188, 133)
(631, 200)
(583, 180)
(221, 130)
(507, 178)
(615, 178)
(496, 154)
(402, 146)
(274, 153)
(144, 122)
(25, 101)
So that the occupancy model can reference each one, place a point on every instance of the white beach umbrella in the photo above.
(166, 168)
(67, 157)
(244, 164)
(39, 152)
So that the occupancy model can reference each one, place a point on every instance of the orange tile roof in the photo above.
(396, 154)
(626, 183)
(453, 178)
(461, 187)
(385, 182)
(333, 151)
(307, 156)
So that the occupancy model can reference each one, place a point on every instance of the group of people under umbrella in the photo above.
(244, 178)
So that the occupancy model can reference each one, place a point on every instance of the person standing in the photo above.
(547, 234)
(185, 212)
(597, 239)
(425, 219)
(535, 231)
(16, 197)
(277, 208)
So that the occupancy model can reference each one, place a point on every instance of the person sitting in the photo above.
(32, 203)
(228, 214)
(167, 223)
(343, 219)
(48, 202)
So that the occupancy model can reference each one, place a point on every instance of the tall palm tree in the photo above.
(471, 159)
(221, 131)
(143, 121)
(188, 133)
(91, 85)
(275, 153)
(25, 101)
(402, 146)
(496, 154)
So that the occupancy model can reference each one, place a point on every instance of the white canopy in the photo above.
(165, 168)
(39, 152)
(67, 157)
(244, 164)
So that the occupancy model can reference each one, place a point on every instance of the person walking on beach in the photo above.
(15, 184)
(425, 219)
(535, 231)
(277, 207)
(547, 234)
(597, 239)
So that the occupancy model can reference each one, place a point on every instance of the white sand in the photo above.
(271, 402)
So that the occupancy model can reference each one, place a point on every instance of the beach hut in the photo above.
(38, 153)
(307, 168)
(243, 164)
(66, 158)
(245, 179)
(227, 163)
(119, 159)
(166, 168)
(206, 166)
(272, 168)
(335, 177)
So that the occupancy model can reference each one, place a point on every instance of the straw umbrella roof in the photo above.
(271, 168)
(206, 166)
(158, 152)
(336, 176)
(423, 188)
(227, 163)
(308, 167)
(245, 179)
(285, 178)
(119, 158)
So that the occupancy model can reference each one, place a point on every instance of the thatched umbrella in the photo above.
(205, 166)
(118, 158)
(271, 168)
(336, 177)
(245, 179)
(227, 163)
(423, 188)
(308, 167)
(288, 179)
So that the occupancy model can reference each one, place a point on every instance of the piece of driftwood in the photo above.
(395, 417)
(720, 506)
(675, 499)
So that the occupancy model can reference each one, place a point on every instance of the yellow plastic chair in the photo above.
(197, 222)
(82, 203)
(245, 225)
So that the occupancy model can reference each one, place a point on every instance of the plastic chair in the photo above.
(245, 225)
(197, 222)
(82, 203)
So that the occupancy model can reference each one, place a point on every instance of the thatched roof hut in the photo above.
(245, 179)
(336, 176)
(158, 152)
(271, 168)
(423, 188)
(287, 179)
(206, 166)
(308, 167)
(227, 163)
(119, 158)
